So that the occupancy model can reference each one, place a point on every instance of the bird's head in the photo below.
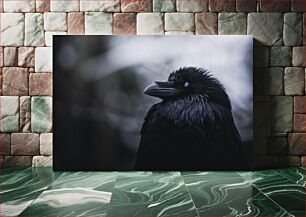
(189, 81)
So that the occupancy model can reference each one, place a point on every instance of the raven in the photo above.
(192, 128)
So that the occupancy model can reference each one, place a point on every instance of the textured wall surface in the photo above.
(26, 33)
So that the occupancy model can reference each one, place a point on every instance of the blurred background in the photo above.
(99, 105)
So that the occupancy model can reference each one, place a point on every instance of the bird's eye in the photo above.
(186, 84)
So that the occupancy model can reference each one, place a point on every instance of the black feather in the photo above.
(194, 130)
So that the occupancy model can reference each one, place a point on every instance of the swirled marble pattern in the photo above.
(75, 193)
(10, 172)
(20, 188)
(103, 181)
(227, 194)
(146, 186)
(42, 192)
(296, 174)
(285, 192)
(151, 194)
(70, 202)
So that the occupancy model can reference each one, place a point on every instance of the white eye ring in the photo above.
(186, 84)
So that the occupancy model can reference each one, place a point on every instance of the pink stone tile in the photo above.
(76, 23)
(296, 143)
(14, 161)
(303, 161)
(1, 81)
(1, 6)
(272, 6)
(136, 5)
(42, 5)
(222, 6)
(1, 56)
(40, 84)
(206, 23)
(246, 5)
(5, 143)
(26, 56)
(15, 81)
(25, 114)
(299, 104)
(299, 123)
(10, 56)
(1, 161)
(25, 144)
(124, 23)
(297, 5)
(304, 32)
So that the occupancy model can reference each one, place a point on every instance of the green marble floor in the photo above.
(42, 192)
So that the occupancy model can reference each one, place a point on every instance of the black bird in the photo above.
(192, 128)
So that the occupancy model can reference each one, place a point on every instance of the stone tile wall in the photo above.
(26, 33)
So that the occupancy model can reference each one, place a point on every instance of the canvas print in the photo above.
(153, 103)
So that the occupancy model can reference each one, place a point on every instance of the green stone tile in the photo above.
(70, 202)
(124, 177)
(244, 204)
(281, 190)
(19, 191)
(232, 23)
(190, 177)
(75, 194)
(88, 209)
(10, 172)
(141, 187)
(102, 181)
(207, 186)
(260, 177)
(135, 192)
(177, 206)
(26, 193)
(164, 5)
(151, 194)
(41, 114)
(290, 196)
(9, 115)
(265, 179)
(227, 194)
(293, 29)
(260, 205)
(295, 174)
(137, 209)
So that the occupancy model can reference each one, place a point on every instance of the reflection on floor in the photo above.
(42, 192)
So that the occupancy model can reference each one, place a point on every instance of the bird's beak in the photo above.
(162, 89)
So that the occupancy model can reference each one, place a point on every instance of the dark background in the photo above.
(99, 103)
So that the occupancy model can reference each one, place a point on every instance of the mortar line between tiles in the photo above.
(189, 194)
(272, 200)
(287, 178)
(110, 200)
(50, 185)
(46, 188)
(38, 196)
(266, 195)
(30, 204)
